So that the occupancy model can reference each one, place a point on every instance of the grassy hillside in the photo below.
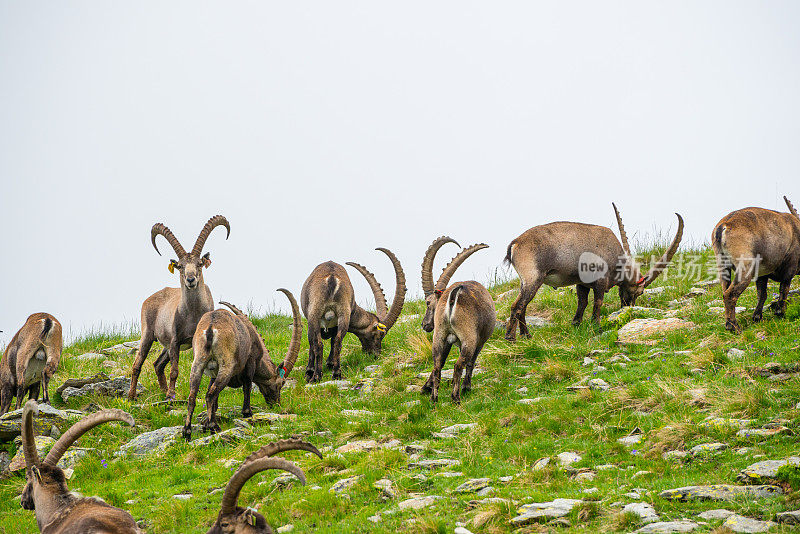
(662, 390)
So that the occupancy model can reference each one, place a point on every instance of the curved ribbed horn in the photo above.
(659, 267)
(233, 308)
(399, 290)
(427, 262)
(159, 228)
(381, 308)
(231, 496)
(623, 236)
(213, 222)
(297, 331)
(277, 447)
(81, 427)
(30, 411)
(791, 208)
(455, 263)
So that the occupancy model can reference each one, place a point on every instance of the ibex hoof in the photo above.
(187, 433)
(426, 388)
(733, 327)
(757, 317)
(337, 375)
(456, 398)
(511, 338)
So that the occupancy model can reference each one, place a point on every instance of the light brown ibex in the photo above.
(588, 256)
(462, 315)
(329, 305)
(229, 349)
(30, 360)
(58, 510)
(170, 315)
(761, 244)
(232, 518)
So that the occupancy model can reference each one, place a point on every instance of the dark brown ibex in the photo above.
(462, 315)
(59, 511)
(232, 518)
(30, 360)
(761, 244)
(590, 257)
(328, 302)
(170, 315)
(229, 349)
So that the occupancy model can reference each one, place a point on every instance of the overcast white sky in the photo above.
(325, 129)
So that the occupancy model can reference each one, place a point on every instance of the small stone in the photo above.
(585, 476)
(418, 503)
(719, 514)
(765, 472)
(567, 458)
(789, 518)
(285, 528)
(632, 440)
(449, 474)
(358, 446)
(587, 361)
(675, 455)
(735, 354)
(544, 511)
(151, 442)
(720, 492)
(708, 448)
(386, 487)
(455, 429)
(540, 464)
(740, 523)
(485, 492)
(357, 413)
(666, 527)
(461, 530)
(345, 484)
(643, 510)
(434, 464)
(182, 496)
(761, 432)
(472, 485)
(641, 331)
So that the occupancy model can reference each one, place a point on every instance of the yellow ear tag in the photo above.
(381, 327)
(171, 267)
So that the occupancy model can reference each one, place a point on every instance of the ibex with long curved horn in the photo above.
(229, 349)
(590, 257)
(761, 244)
(462, 315)
(30, 360)
(59, 511)
(329, 305)
(233, 519)
(171, 315)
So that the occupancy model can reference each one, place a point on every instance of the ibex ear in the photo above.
(36, 473)
(206, 259)
(172, 265)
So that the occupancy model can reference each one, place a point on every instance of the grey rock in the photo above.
(630, 441)
(228, 437)
(638, 311)
(285, 528)
(540, 464)
(645, 511)
(461, 427)
(43, 423)
(386, 487)
(599, 384)
(182, 496)
(434, 464)
(485, 492)
(740, 523)
(345, 484)
(719, 514)
(708, 448)
(720, 492)
(568, 458)
(675, 456)
(544, 511)
(341, 385)
(736, 354)
(418, 503)
(472, 485)
(789, 518)
(529, 401)
(150, 442)
(766, 471)
(115, 387)
(666, 527)
(357, 413)
(90, 356)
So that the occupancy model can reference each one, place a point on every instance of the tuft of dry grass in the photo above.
(556, 371)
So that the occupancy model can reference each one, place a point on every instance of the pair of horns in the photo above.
(213, 222)
(791, 208)
(297, 330)
(387, 316)
(261, 460)
(67, 438)
(427, 263)
(661, 264)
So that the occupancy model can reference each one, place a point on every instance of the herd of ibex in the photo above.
(748, 243)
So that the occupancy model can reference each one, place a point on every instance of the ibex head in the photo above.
(46, 481)
(433, 292)
(233, 519)
(631, 282)
(371, 335)
(190, 265)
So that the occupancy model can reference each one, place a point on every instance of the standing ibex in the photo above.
(760, 243)
(590, 257)
(233, 519)
(30, 360)
(229, 349)
(170, 315)
(59, 511)
(462, 315)
(329, 304)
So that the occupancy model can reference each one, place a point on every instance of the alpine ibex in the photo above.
(59, 511)
(329, 304)
(229, 349)
(30, 360)
(462, 315)
(232, 518)
(761, 244)
(590, 257)
(170, 315)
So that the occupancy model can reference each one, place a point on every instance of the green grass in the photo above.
(659, 394)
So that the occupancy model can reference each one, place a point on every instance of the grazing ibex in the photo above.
(462, 315)
(59, 511)
(229, 349)
(170, 315)
(329, 304)
(760, 243)
(590, 257)
(30, 360)
(232, 518)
